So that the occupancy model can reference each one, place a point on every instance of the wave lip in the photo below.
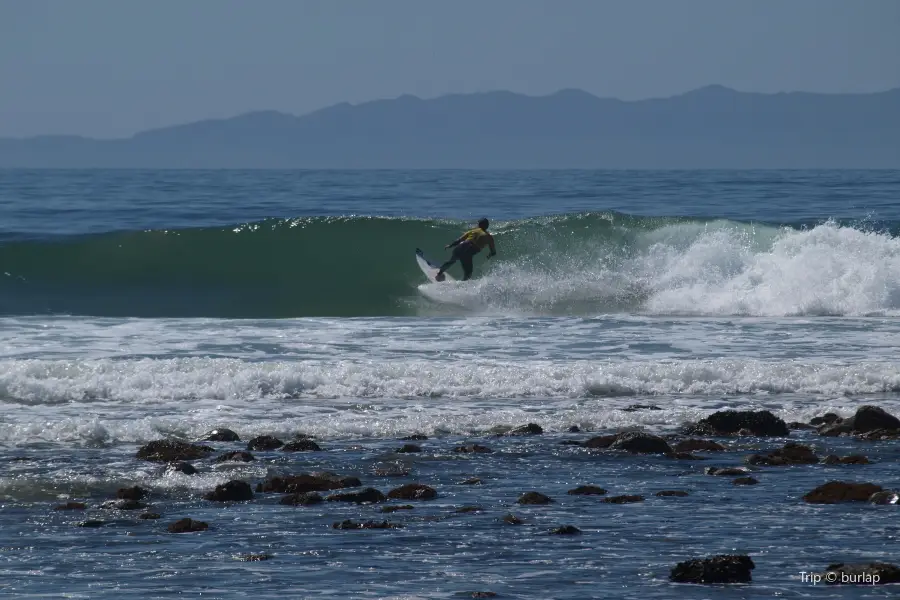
(583, 264)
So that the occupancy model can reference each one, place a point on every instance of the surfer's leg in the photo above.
(466, 262)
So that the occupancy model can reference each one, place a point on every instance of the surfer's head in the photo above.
(484, 223)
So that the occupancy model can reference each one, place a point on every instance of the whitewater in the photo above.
(141, 305)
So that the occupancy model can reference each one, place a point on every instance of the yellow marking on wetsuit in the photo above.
(477, 236)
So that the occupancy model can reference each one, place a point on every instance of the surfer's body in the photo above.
(466, 247)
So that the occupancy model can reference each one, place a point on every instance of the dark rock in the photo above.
(745, 481)
(641, 443)
(150, 516)
(182, 467)
(637, 407)
(71, 506)
(233, 491)
(880, 434)
(885, 497)
(301, 446)
(133, 493)
(263, 443)
(473, 449)
(570, 443)
(172, 451)
(534, 498)
(187, 526)
(853, 459)
(348, 524)
(876, 573)
(726, 568)
(396, 507)
(238, 456)
(798, 426)
(92, 524)
(587, 490)
(792, 454)
(529, 429)
(834, 492)
(122, 505)
(625, 499)
(512, 519)
(472, 481)
(731, 422)
(391, 473)
(416, 437)
(574, 429)
(725, 471)
(687, 456)
(826, 419)
(368, 495)
(675, 493)
(565, 530)
(871, 418)
(409, 448)
(413, 491)
(315, 482)
(304, 499)
(469, 509)
(482, 594)
(600, 441)
(254, 557)
(221, 434)
(838, 428)
(694, 445)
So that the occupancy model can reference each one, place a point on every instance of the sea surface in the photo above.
(143, 305)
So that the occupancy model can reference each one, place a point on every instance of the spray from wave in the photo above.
(579, 264)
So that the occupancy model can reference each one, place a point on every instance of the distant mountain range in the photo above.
(712, 127)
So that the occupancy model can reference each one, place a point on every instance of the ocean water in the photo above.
(141, 305)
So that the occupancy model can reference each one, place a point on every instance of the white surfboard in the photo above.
(429, 268)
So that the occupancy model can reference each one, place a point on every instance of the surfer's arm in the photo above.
(491, 244)
(455, 242)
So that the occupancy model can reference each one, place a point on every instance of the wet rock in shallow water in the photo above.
(880, 434)
(409, 448)
(725, 471)
(791, 454)
(172, 451)
(885, 497)
(512, 519)
(835, 492)
(534, 498)
(574, 429)
(876, 573)
(724, 568)
(303, 445)
(391, 472)
(872, 418)
(798, 426)
(91, 524)
(529, 429)
(131, 493)
(587, 490)
(221, 434)
(624, 499)
(853, 459)
(416, 437)
(571, 443)
(122, 505)
(368, 495)
(637, 407)
(672, 493)
(695, 445)
(600, 441)
(264, 442)
(254, 557)
(745, 481)
(313, 482)
(232, 491)
(396, 507)
(740, 422)
(473, 449)
(150, 516)
(826, 419)
(565, 530)
(472, 481)
(238, 456)
(182, 467)
(187, 526)
(638, 442)
(413, 491)
(348, 524)
(304, 499)
(687, 456)
(481, 594)
(469, 509)
(71, 506)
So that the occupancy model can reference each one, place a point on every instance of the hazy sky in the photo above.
(108, 68)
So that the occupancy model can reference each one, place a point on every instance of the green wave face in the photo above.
(364, 266)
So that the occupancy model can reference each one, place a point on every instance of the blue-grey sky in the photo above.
(109, 68)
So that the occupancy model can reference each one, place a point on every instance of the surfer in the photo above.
(466, 247)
